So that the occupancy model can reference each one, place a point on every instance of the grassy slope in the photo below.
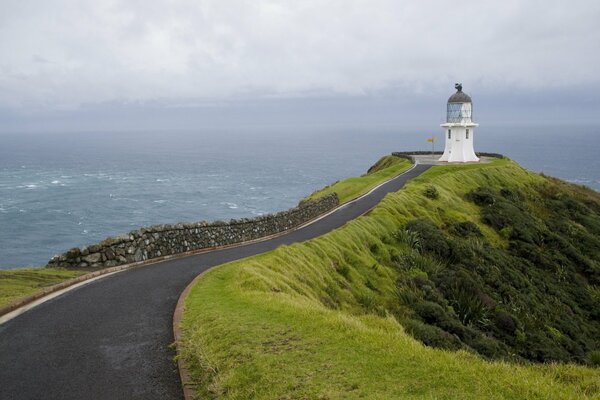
(307, 321)
(17, 283)
(351, 188)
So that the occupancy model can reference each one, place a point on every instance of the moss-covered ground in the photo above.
(351, 188)
(479, 261)
(17, 283)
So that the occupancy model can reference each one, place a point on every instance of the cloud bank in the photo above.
(61, 54)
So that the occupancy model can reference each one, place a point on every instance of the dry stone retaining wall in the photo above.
(162, 240)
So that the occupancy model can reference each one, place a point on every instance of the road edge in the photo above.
(189, 391)
(24, 304)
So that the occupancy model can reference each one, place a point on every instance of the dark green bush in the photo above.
(531, 300)
(430, 312)
(466, 229)
(511, 195)
(595, 358)
(432, 335)
(505, 322)
(431, 192)
(482, 196)
(489, 347)
(432, 238)
(468, 306)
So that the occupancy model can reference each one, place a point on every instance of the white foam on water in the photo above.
(122, 198)
(231, 206)
(579, 181)
(55, 182)
(160, 201)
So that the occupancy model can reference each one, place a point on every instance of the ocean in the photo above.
(61, 190)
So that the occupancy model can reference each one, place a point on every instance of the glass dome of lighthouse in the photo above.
(459, 107)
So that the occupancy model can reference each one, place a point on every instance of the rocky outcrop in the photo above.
(163, 240)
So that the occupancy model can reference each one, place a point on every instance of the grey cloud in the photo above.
(61, 55)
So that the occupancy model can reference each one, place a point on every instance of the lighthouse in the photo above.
(459, 128)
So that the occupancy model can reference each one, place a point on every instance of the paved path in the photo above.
(111, 339)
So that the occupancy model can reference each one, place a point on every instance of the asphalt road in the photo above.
(111, 339)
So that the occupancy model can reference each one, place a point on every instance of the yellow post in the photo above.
(432, 140)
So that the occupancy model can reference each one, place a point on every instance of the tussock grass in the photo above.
(351, 188)
(17, 283)
(319, 319)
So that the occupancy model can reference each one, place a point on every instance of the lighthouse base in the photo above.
(458, 158)
(459, 143)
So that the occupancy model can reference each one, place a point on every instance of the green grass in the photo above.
(17, 283)
(351, 188)
(319, 319)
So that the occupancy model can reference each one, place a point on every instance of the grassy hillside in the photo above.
(351, 188)
(491, 266)
(17, 283)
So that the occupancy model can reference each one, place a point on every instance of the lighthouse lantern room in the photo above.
(459, 128)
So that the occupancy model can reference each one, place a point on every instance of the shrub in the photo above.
(511, 195)
(595, 358)
(543, 280)
(505, 322)
(431, 192)
(409, 238)
(466, 229)
(432, 335)
(416, 261)
(523, 226)
(432, 238)
(488, 347)
(409, 296)
(431, 313)
(468, 306)
(482, 196)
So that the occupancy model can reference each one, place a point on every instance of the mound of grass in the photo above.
(348, 189)
(17, 283)
(338, 317)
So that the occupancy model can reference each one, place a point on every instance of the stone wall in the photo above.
(163, 240)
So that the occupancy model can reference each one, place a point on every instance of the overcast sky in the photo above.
(140, 63)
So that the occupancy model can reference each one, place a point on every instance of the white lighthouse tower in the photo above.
(459, 128)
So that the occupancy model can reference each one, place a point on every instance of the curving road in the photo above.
(110, 339)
